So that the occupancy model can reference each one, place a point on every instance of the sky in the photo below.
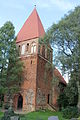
(50, 11)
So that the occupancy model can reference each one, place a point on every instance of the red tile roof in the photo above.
(32, 28)
(58, 74)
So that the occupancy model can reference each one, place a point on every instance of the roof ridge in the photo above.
(37, 21)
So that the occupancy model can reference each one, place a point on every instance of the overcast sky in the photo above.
(50, 11)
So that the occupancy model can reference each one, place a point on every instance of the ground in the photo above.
(40, 115)
(1, 114)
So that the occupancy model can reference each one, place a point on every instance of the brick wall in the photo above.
(44, 77)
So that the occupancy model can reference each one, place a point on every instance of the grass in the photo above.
(1, 114)
(40, 115)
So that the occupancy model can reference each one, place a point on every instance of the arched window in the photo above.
(50, 56)
(19, 48)
(45, 52)
(23, 49)
(33, 48)
(39, 49)
(27, 47)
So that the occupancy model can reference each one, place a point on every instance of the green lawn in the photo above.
(1, 114)
(40, 115)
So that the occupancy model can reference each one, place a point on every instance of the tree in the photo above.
(65, 39)
(68, 97)
(10, 64)
(62, 100)
(71, 92)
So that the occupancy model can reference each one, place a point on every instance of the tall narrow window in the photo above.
(19, 48)
(27, 47)
(43, 51)
(39, 49)
(33, 48)
(23, 49)
(50, 56)
(46, 53)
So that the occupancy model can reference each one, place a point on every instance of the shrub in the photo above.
(70, 112)
(71, 91)
(6, 106)
(1, 104)
(62, 101)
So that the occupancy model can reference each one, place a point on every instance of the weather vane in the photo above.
(35, 6)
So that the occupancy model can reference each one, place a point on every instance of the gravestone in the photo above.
(15, 118)
(53, 118)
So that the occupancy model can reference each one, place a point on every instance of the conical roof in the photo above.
(32, 28)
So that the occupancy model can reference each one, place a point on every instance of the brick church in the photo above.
(37, 91)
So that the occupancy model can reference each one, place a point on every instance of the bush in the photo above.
(9, 115)
(6, 106)
(1, 104)
(62, 101)
(70, 112)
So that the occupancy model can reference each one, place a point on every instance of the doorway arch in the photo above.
(20, 102)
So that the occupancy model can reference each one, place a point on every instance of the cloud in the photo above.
(60, 4)
(13, 4)
(63, 4)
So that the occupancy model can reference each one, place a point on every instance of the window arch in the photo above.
(23, 49)
(27, 47)
(19, 48)
(33, 48)
(45, 52)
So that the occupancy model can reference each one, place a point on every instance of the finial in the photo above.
(35, 6)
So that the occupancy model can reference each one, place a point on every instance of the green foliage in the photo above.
(1, 114)
(68, 95)
(62, 101)
(10, 64)
(6, 106)
(8, 114)
(41, 115)
(65, 39)
(70, 112)
(71, 92)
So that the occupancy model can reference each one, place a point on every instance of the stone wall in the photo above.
(41, 97)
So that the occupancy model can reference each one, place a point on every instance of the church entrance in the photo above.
(20, 102)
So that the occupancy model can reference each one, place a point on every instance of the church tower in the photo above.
(36, 87)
